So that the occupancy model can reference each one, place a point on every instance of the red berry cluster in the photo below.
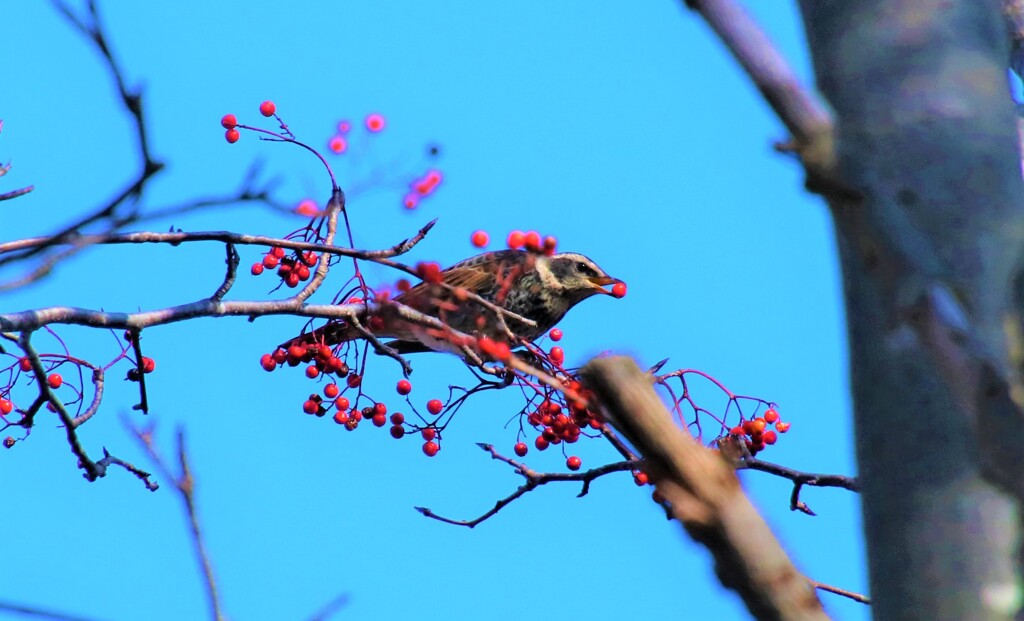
(422, 187)
(532, 241)
(756, 432)
(558, 423)
(290, 269)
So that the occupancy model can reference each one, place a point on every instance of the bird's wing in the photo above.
(477, 274)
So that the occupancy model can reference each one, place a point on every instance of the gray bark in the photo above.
(928, 211)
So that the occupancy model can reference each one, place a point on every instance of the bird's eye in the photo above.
(583, 268)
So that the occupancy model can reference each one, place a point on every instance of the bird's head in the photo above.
(575, 275)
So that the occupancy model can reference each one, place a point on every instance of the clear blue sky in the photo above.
(629, 134)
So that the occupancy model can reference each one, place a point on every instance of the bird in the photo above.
(538, 287)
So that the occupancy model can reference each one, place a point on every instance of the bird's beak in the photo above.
(600, 282)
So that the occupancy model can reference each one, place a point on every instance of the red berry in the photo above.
(769, 437)
(520, 448)
(434, 406)
(278, 252)
(232, 135)
(279, 356)
(341, 403)
(532, 241)
(540, 443)
(341, 417)
(228, 121)
(267, 108)
(270, 262)
(557, 355)
(267, 362)
(516, 239)
(375, 123)
(379, 420)
(771, 415)
(549, 245)
(25, 365)
(310, 406)
(55, 380)
(428, 433)
(640, 478)
(292, 280)
(148, 365)
(353, 380)
(404, 387)
(430, 448)
(737, 430)
(331, 391)
(574, 463)
(397, 432)
(312, 371)
(380, 408)
(397, 418)
(337, 144)
(256, 269)
(555, 334)
(480, 239)
(782, 427)
(619, 290)
(6, 406)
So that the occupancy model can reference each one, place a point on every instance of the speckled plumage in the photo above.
(534, 286)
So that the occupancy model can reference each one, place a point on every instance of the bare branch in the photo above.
(534, 480)
(185, 485)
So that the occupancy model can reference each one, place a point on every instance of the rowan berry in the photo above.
(521, 449)
(267, 108)
(555, 334)
(619, 290)
(557, 355)
(397, 418)
(148, 365)
(769, 437)
(341, 417)
(228, 121)
(403, 387)
(480, 239)
(375, 122)
(256, 269)
(54, 380)
(331, 391)
(434, 406)
(232, 135)
(782, 427)
(309, 406)
(516, 239)
(574, 462)
(428, 433)
(267, 362)
(341, 403)
(25, 365)
(6, 407)
(379, 420)
(771, 415)
(430, 448)
(397, 432)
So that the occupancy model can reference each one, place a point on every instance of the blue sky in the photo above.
(630, 135)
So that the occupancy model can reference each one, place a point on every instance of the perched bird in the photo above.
(535, 286)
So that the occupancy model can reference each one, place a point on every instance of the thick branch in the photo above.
(704, 494)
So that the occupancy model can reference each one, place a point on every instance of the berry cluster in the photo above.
(756, 433)
(422, 187)
(290, 269)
